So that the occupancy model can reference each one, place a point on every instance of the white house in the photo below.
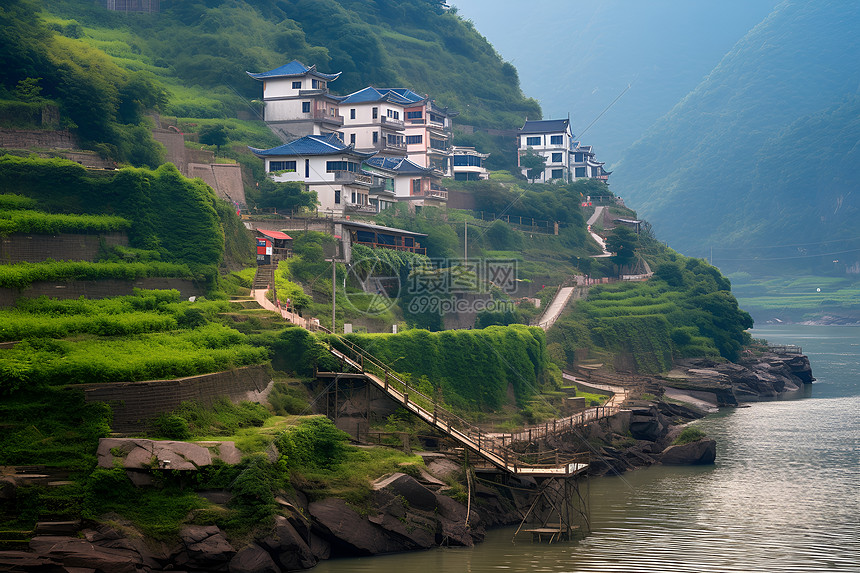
(428, 131)
(373, 121)
(415, 185)
(324, 164)
(297, 102)
(551, 139)
(467, 164)
(584, 166)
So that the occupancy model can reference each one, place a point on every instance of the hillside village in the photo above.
(366, 151)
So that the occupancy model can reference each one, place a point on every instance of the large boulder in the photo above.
(700, 452)
(414, 528)
(349, 533)
(407, 487)
(253, 559)
(453, 526)
(27, 562)
(647, 424)
(287, 546)
(74, 552)
(203, 548)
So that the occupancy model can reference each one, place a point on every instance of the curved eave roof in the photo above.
(371, 95)
(312, 145)
(292, 70)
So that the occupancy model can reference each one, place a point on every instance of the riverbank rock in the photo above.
(253, 559)
(700, 452)
(202, 548)
(289, 549)
(74, 552)
(349, 533)
(26, 562)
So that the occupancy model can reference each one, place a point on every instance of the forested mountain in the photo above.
(760, 162)
(200, 50)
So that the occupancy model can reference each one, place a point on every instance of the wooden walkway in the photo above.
(496, 448)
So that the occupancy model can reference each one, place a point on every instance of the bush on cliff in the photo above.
(473, 369)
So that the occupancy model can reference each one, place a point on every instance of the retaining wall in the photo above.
(134, 403)
(97, 289)
(32, 248)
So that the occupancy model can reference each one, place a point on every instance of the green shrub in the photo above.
(689, 434)
(314, 443)
(171, 426)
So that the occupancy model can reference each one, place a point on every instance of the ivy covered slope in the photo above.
(169, 219)
(201, 50)
(764, 151)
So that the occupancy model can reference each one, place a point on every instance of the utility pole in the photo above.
(333, 294)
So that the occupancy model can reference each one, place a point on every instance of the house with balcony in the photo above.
(550, 139)
(429, 130)
(585, 166)
(373, 121)
(413, 184)
(297, 101)
(467, 164)
(325, 165)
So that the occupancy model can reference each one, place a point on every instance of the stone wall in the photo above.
(461, 200)
(134, 403)
(224, 178)
(32, 248)
(24, 139)
(174, 143)
(96, 289)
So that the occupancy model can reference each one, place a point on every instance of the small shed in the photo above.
(273, 246)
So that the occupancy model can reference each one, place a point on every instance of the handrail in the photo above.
(485, 444)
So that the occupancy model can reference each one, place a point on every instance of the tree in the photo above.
(622, 243)
(214, 135)
(533, 163)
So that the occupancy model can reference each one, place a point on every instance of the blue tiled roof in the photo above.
(370, 94)
(399, 165)
(405, 93)
(293, 69)
(310, 145)
(546, 126)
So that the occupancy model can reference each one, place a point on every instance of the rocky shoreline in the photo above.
(418, 512)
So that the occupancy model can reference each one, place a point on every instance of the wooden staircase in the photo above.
(495, 448)
(264, 278)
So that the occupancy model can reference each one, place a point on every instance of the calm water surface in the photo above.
(784, 494)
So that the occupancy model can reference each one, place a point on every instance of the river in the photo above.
(783, 496)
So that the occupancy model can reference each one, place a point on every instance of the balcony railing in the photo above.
(385, 145)
(354, 208)
(416, 249)
(323, 115)
(390, 122)
(352, 177)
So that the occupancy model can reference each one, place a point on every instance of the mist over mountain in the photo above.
(577, 57)
(759, 164)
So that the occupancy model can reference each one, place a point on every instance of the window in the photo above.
(307, 168)
(375, 136)
(556, 157)
(557, 173)
(306, 107)
(352, 139)
(556, 139)
(533, 140)
(580, 172)
(331, 166)
(416, 187)
(297, 85)
(577, 158)
(337, 196)
(394, 139)
(414, 139)
(414, 114)
(353, 197)
(318, 84)
(375, 113)
(438, 144)
(282, 166)
(467, 161)
(352, 113)
(393, 114)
